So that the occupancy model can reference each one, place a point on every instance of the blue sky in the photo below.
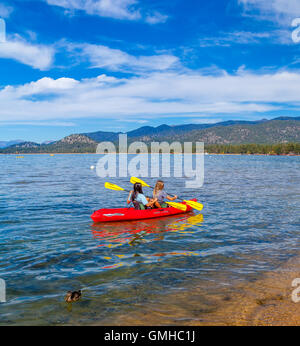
(71, 66)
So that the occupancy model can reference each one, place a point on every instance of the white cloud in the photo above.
(40, 123)
(5, 11)
(118, 9)
(116, 60)
(156, 18)
(228, 39)
(154, 96)
(34, 55)
(280, 11)
(138, 121)
(203, 120)
(42, 86)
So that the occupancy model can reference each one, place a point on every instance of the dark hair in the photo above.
(137, 188)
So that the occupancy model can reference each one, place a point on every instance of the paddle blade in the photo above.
(194, 205)
(177, 205)
(134, 180)
(113, 187)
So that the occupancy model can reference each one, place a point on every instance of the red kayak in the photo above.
(127, 214)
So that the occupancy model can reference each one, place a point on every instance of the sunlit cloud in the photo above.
(40, 123)
(155, 96)
(228, 39)
(38, 56)
(100, 56)
(278, 11)
(156, 18)
(117, 9)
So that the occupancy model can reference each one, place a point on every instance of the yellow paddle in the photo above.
(177, 205)
(192, 204)
(114, 187)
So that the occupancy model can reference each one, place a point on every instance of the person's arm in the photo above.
(156, 203)
(129, 197)
(171, 198)
(146, 201)
(151, 203)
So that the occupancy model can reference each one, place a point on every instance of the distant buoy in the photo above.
(92, 167)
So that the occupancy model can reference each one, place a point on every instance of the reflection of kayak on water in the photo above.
(112, 235)
(126, 214)
(118, 232)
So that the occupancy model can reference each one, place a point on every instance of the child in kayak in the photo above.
(159, 194)
(138, 199)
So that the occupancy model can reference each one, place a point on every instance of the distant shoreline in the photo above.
(206, 154)
(290, 148)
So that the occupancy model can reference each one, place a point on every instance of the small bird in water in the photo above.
(73, 296)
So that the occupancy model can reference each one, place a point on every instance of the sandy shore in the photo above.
(264, 302)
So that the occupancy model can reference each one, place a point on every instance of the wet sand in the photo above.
(265, 301)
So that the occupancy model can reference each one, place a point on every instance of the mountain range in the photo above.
(278, 130)
(5, 144)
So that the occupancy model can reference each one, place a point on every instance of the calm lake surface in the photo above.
(250, 224)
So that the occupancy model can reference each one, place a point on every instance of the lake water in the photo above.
(48, 243)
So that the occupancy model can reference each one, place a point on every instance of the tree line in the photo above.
(264, 149)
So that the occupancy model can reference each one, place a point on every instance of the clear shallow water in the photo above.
(49, 244)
